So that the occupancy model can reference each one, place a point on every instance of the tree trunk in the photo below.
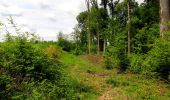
(101, 41)
(104, 46)
(165, 16)
(89, 37)
(98, 40)
(129, 27)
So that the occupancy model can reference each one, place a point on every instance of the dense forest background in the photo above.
(129, 41)
(127, 34)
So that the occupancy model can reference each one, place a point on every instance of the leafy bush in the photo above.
(136, 63)
(65, 44)
(115, 55)
(144, 38)
(111, 58)
(78, 49)
(158, 59)
(53, 51)
(156, 63)
(27, 72)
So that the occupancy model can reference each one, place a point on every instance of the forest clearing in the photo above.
(117, 50)
(101, 84)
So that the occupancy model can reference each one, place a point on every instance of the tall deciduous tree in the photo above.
(129, 31)
(105, 3)
(89, 37)
(165, 16)
(96, 17)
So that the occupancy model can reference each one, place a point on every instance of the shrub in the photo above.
(111, 58)
(136, 63)
(154, 64)
(24, 66)
(158, 59)
(116, 55)
(53, 51)
(78, 50)
(65, 44)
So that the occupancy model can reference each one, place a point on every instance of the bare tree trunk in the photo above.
(98, 40)
(89, 37)
(129, 27)
(165, 16)
(104, 47)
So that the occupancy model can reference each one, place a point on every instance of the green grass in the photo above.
(96, 83)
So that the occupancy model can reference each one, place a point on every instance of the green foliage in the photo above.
(117, 83)
(149, 12)
(27, 72)
(113, 83)
(136, 63)
(116, 55)
(111, 58)
(53, 51)
(155, 63)
(112, 25)
(65, 44)
(78, 50)
(79, 88)
(144, 38)
(158, 59)
(30, 69)
(69, 46)
(79, 43)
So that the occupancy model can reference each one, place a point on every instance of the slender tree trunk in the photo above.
(104, 47)
(89, 36)
(165, 16)
(89, 40)
(129, 29)
(98, 40)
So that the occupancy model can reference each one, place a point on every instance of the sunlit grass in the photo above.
(108, 82)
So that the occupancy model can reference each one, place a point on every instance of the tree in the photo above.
(130, 8)
(89, 37)
(95, 16)
(129, 26)
(165, 16)
(105, 3)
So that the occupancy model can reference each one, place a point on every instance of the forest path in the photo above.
(88, 70)
(105, 84)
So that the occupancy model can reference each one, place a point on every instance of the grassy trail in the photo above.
(102, 84)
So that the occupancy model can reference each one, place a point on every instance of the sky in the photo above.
(43, 17)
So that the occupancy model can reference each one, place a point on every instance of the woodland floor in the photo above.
(102, 84)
